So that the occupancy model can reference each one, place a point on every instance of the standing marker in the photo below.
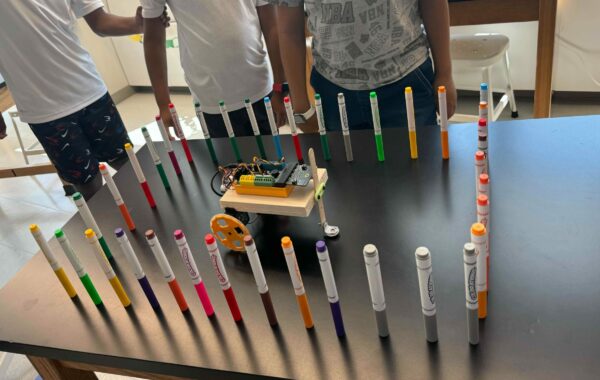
(483, 110)
(78, 266)
(273, 125)
(140, 175)
(261, 281)
(483, 93)
(410, 115)
(117, 197)
(332, 293)
(470, 260)
(345, 127)
(322, 129)
(190, 265)
(292, 264)
(443, 122)
(179, 133)
(423, 258)
(483, 217)
(478, 238)
(156, 158)
(168, 274)
(484, 184)
(90, 222)
(168, 145)
(138, 271)
(255, 129)
(482, 140)
(230, 132)
(292, 122)
(376, 288)
(204, 127)
(106, 268)
(377, 126)
(217, 263)
(479, 168)
(54, 264)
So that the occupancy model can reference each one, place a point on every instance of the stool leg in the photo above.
(486, 76)
(23, 150)
(509, 89)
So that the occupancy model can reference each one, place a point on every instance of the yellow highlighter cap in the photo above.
(33, 227)
(89, 233)
(128, 146)
(286, 242)
(478, 229)
(442, 89)
(408, 90)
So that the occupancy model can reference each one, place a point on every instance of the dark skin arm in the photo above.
(106, 24)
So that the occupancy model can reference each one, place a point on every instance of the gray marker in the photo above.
(423, 258)
(470, 259)
(345, 127)
(376, 288)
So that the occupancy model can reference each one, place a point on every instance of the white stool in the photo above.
(483, 50)
(25, 151)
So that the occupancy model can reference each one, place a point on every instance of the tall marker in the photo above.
(292, 122)
(273, 125)
(255, 129)
(221, 273)
(179, 133)
(230, 133)
(345, 127)
(478, 238)
(371, 256)
(156, 158)
(470, 260)
(443, 106)
(90, 222)
(204, 127)
(168, 145)
(292, 264)
(410, 115)
(140, 175)
(117, 197)
(322, 129)
(423, 258)
(331, 289)
(377, 126)
(259, 278)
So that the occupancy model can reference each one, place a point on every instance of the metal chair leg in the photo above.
(23, 150)
(509, 89)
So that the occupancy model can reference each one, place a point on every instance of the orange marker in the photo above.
(483, 217)
(483, 110)
(410, 115)
(292, 264)
(443, 122)
(479, 238)
(117, 197)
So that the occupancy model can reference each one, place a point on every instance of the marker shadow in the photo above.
(247, 342)
(167, 330)
(347, 354)
(214, 321)
(316, 350)
(283, 349)
(389, 358)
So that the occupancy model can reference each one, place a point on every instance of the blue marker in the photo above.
(273, 126)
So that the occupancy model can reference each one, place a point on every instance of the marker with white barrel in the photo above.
(168, 145)
(483, 110)
(192, 268)
(179, 133)
(345, 127)
(483, 92)
(259, 277)
(136, 267)
(330, 288)
(230, 133)
(221, 273)
(470, 260)
(376, 288)
(156, 158)
(204, 127)
(301, 298)
(483, 217)
(479, 238)
(117, 197)
(479, 168)
(322, 129)
(289, 111)
(273, 125)
(90, 222)
(412, 130)
(140, 174)
(484, 184)
(443, 109)
(377, 126)
(255, 129)
(423, 258)
(51, 258)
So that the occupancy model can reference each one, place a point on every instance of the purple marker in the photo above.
(136, 267)
(330, 287)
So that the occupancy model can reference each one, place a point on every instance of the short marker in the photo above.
(292, 122)
(90, 222)
(377, 126)
(140, 174)
(376, 288)
(204, 127)
(470, 260)
(443, 106)
(156, 158)
(322, 129)
(117, 197)
(331, 289)
(479, 238)
(273, 125)
(410, 115)
(221, 273)
(345, 127)
(106, 268)
(168, 145)
(136, 267)
(479, 168)
(179, 133)
(78, 266)
(292, 264)
(51, 258)
(261, 281)
(255, 129)
(230, 133)
(423, 258)
(192, 268)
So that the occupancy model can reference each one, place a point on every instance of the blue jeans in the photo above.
(392, 107)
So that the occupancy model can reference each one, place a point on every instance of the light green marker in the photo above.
(377, 126)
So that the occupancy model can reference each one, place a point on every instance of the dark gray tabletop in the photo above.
(544, 281)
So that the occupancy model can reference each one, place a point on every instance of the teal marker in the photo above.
(377, 126)
(204, 127)
(322, 130)
(273, 126)
(230, 133)
(255, 129)
(156, 158)
(90, 222)
(78, 266)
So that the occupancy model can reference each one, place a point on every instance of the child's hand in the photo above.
(448, 82)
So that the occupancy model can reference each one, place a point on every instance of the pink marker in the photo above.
(190, 264)
(168, 145)
(179, 133)
(140, 174)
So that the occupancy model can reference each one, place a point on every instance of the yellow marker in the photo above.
(292, 264)
(479, 239)
(443, 122)
(108, 270)
(56, 267)
(410, 115)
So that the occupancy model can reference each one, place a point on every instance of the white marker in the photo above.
(376, 288)
(345, 127)
(423, 258)
(484, 184)
(479, 168)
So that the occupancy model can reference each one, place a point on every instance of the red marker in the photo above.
(168, 145)
(217, 263)
(292, 122)
(140, 174)
(179, 133)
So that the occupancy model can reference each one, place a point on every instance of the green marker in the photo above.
(322, 130)
(255, 129)
(203, 125)
(377, 126)
(78, 266)
(156, 158)
(90, 222)
(230, 133)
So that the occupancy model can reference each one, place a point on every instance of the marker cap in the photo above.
(286, 99)
(89, 233)
(196, 104)
(221, 103)
(482, 122)
(442, 89)
(266, 99)
(59, 233)
(372, 94)
(482, 200)
(246, 100)
(248, 240)
(482, 104)
(478, 229)
(209, 239)
(102, 167)
(286, 242)
(128, 146)
(484, 178)
(317, 96)
(408, 90)
(321, 246)
(150, 234)
(178, 234)
(479, 155)
(422, 253)
(157, 117)
(77, 196)
(483, 86)
(171, 105)
(119, 232)
(370, 250)
(469, 249)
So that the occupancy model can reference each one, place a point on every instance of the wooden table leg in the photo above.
(545, 56)
(50, 369)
